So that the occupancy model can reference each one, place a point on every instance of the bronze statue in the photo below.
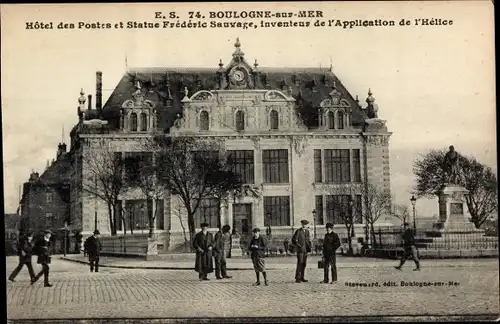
(451, 165)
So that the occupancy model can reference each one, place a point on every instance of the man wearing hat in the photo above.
(42, 248)
(203, 243)
(302, 242)
(93, 246)
(257, 247)
(25, 250)
(410, 248)
(330, 245)
(219, 252)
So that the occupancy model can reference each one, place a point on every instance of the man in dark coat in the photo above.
(302, 242)
(257, 247)
(219, 253)
(330, 245)
(203, 243)
(410, 249)
(42, 248)
(93, 246)
(25, 251)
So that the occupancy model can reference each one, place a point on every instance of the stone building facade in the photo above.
(296, 135)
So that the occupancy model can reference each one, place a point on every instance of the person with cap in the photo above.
(93, 246)
(410, 249)
(257, 247)
(302, 242)
(25, 250)
(203, 244)
(330, 245)
(219, 252)
(42, 248)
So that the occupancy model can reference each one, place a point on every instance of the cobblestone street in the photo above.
(134, 293)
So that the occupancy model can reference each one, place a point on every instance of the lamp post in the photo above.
(95, 205)
(314, 222)
(65, 237)
(413, 201)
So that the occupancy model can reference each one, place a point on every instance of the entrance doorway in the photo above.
(242, 218)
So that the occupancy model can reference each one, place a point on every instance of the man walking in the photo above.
(302, 242)
(330, 245)
(42, 247)
(93, 246)
(25, 251)
(203, 244)
(410, 248)
(219, 253)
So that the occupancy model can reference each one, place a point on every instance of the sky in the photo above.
(435, 85)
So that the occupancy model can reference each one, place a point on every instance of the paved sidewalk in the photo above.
(272, 263)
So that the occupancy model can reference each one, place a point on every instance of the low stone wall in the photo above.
(135, 245)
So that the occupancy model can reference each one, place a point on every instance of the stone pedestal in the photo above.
(235, 246)
(152, 252)
(453, 212)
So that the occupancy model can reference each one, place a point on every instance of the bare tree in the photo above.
(401, 212)
(105, 179)
(378, 202)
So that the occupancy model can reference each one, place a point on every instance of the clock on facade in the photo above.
(238, 75)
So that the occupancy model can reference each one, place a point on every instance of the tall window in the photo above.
(319, 210)
(144, 122)
(48, 219)
(242, 163)
(49, 197)
(274, 118)
(279, 208)
(133, 161)
(340, 119)
(137, 214)
(357, 210)
(331, 120)
(204, 121)
(275, 164)
(337, 166)
(318, 170)
(159, 214)
(337, 208)
(133, 122)
(207, 212)
(356, 161)
(240, 120)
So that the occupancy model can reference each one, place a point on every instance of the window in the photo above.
(144, 122)
(133, 122)
(134, 161)
(356, 161)
(340, 118)
(118, 216)
(204, 121)
(275, 163)
(274, 118)
(240, 120)
(49, 197)
(137, 215)
(279, 208)
(48, 215)
(207, 212)
(337, 166)
(318, 170)
(48, 219)
(337, 208)
(331, 120)
(357, 210)
(159, 214)
(242, 163)
(319, 210)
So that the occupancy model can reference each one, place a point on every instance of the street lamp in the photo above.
(65, 237)
(95, 204)
(413, 201)
(314, 222)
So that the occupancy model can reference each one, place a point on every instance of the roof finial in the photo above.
(370, 100)
(82, 98)
(237, 44)
(255, 65)
(221, 65)
(238, 54)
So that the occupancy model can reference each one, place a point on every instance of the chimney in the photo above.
(98, 92)
(90, 101)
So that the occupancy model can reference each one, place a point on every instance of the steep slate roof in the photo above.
(309, 87)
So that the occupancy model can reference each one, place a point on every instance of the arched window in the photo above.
(133, 122)
(274, 117)
(240, 120)
(204, 121)
(144, 122)
(331, 120)
(340, 124)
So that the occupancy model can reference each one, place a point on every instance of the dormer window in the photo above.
(240, 120)
(331, 120)
(144, 122)
(340, 119)
(274, 119)
(133, 122)
(204, 121)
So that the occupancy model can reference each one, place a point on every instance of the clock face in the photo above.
(238, 76)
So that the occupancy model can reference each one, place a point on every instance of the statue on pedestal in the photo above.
(451, 166)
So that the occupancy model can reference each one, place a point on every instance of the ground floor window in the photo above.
(207, 212)
(278, 207)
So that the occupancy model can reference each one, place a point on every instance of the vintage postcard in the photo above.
(250, 162)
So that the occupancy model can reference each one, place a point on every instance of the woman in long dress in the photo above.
(257, 246)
